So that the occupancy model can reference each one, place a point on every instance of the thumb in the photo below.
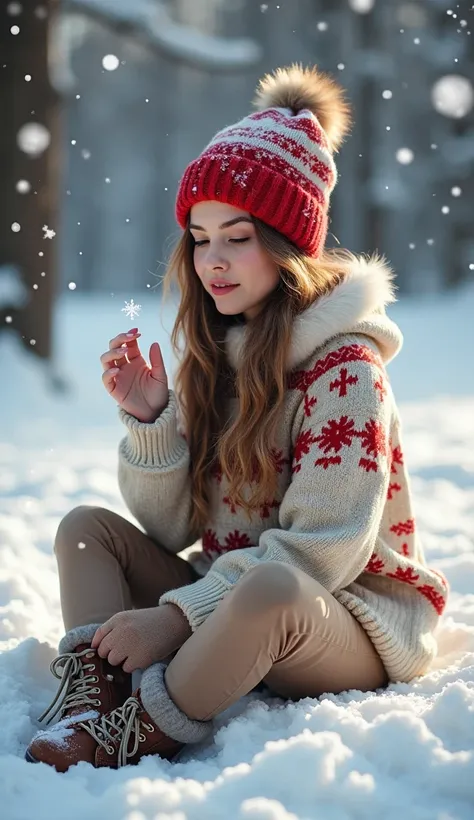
(156, 361)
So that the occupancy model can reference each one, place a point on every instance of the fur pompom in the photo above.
(299, 88)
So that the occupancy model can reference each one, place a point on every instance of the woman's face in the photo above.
(227, 251)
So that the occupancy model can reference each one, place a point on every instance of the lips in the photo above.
(221, 290)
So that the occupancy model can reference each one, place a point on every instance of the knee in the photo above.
(75, 525)
(268, 586)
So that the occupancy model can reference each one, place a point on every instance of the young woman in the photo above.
(284, 458)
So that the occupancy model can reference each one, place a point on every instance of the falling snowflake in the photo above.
(48, 232)
(131, 309)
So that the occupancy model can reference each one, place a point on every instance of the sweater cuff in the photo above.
(157, 444)
(199, 599)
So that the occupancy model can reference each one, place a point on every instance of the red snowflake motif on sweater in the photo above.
(334, 436)
(393, 488)
(210, 544)
(343, 382)
(278, 460)
(232, 504)
(396, 458)
(407, 575)
(433, 597)
(236, 540)
(308, 404)
(375, 565)
(380, 385)
(267, 506)
(302, 447)
(303, 379)
(216, 471)
(372, 439)
(404, 527)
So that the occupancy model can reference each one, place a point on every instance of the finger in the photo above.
(129, 666)
(156, 361)
(105, 646)
(109, 378)
(99, 635)
(116, 357)
(124, 337)
(116, 656)
(133, 351)
(103, 630)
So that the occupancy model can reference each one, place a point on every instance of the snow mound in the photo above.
(406, 752)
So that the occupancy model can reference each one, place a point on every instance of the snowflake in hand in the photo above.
(48, 232)
(131, 309)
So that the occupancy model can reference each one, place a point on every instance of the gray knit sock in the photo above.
(77, 635)
(169, 717)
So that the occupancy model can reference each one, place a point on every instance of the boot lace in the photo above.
(76, 687)
(122, 721)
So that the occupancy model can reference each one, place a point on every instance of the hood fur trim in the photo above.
(357, 305)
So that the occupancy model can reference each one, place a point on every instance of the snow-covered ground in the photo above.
(408, 752)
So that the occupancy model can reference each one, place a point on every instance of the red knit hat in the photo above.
(277, 164)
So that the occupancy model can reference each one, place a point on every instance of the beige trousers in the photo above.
(277, 625)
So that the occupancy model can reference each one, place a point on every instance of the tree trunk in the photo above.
(23, 103)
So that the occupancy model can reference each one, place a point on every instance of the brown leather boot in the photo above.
(90, 687)
(122, 736)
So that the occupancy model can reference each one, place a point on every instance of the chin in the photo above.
(230, 311)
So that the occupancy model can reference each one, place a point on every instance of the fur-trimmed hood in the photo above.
(356, 306)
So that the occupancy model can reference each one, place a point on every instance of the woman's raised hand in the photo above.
(141, 389)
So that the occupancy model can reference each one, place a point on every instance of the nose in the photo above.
(215, 261)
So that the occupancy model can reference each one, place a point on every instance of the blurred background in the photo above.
(103, 103)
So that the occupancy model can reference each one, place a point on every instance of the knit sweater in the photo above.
(343, 509)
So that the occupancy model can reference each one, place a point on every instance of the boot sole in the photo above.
(29, 757)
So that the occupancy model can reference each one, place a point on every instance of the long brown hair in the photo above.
(242, 450)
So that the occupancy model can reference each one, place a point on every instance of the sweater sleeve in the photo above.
(154, 479)
(330, 514)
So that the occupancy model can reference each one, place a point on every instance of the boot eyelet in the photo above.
(95, 679)
(141, 737)
(149, 727)
(90, 655)
(110, 749)
(95, 691)
(97, 702)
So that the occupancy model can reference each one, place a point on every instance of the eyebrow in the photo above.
(224, 224)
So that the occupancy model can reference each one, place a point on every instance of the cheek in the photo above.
(260, 276)
(198, 267)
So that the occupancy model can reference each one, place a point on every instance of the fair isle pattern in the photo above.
(275, 165)
(303, 379)
(378, 452)
(341, 512)
(299, 151)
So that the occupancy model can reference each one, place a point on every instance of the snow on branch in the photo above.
(151, 18)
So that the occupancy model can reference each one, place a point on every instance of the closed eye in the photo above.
(200, 242)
